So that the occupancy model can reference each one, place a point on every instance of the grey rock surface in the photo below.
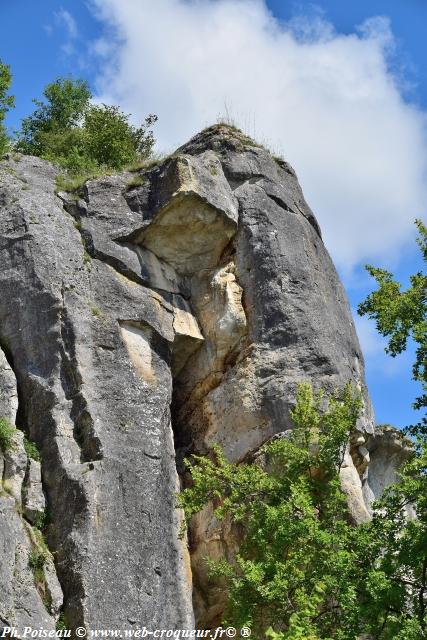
(21, 598)
(98, 412)
(148, 320)
(21, 602)
(15, 465)
(33, 499)
(388, 449)
(9, 393)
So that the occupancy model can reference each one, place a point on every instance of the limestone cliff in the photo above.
(139, 321)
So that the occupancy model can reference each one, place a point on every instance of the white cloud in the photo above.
(329, 102)
(371, 342)
(373, 348)
(65, 19)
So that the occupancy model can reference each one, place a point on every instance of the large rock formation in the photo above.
(181, 307)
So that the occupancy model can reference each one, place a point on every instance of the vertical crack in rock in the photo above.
(30, 593)
(216, 298)
(210, 331)
(71, 381)
(199, 420)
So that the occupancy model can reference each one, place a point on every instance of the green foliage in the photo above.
(42, 520)
(66, 101)
(303, 570)
(153, 160)
(299, 558)
(61, 625)
(74, 183)
(279, 160)
(7, 432)
(395, 589)
(68, 149)
(136, 181)
(402, 314)
(111, 141)
(6, 103)
(96, 311)
(37, 559)
(31, 449)
(84, 139)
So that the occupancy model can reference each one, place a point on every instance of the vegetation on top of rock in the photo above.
(7, 432)
(74, 183)
(227, 125)
(136, 181)
(83, 138)
(6, 103)
(66, 101)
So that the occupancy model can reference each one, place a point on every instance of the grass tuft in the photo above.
(37, 559)
(7, 431)
(75, 183)
(31, 449)
(96, 311)
(136, 181)
(146, 163)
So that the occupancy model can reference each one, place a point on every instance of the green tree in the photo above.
(66, 102)
(397, 585)
(299, 563)
(111, 141)
(81, 137)
(6, 103)
(400, 315)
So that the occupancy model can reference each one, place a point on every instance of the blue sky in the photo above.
(340, 88)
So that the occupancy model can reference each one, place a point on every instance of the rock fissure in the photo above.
(71, 380)
(31, 588)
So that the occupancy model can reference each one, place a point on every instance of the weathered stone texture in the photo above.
(103, 429)
(202, 296)
(21, 596)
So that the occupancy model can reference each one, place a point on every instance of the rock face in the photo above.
(26, 599)
(142, 322)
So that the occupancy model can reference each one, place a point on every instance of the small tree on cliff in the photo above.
(65, 103)
(299, 562)
(111, 141)
(81, 137)
(6, 103)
